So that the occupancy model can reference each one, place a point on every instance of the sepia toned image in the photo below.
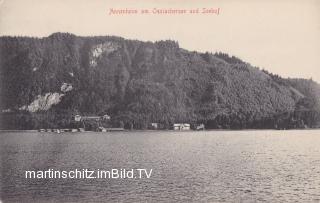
(159, 101)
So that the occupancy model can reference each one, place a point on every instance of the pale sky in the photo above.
(282, 36)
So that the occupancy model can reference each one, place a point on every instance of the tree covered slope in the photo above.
(47, 80)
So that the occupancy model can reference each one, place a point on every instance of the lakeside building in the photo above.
(181, 126)
(200, 127)
(79, 118)
(95, 123)
(154, 126)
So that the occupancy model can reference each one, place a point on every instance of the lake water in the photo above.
(207, 166)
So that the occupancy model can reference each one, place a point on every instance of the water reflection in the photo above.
(230, 166)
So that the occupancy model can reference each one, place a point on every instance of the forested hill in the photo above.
(45, 81)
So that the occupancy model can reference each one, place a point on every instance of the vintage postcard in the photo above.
(159, 101)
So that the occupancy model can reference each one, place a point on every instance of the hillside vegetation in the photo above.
(46, 81)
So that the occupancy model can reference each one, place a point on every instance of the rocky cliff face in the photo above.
(140, 82)
(43, 103)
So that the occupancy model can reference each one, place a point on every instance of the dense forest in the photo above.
(46, 81)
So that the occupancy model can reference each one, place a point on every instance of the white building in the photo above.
(77, 118)
(181, 126)
(154, 125)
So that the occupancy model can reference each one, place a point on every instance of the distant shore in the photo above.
(307, 129)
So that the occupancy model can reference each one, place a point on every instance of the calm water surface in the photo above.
(209, 166)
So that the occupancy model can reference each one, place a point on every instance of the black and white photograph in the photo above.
(159, 101)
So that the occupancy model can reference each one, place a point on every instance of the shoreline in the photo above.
(207, 130)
